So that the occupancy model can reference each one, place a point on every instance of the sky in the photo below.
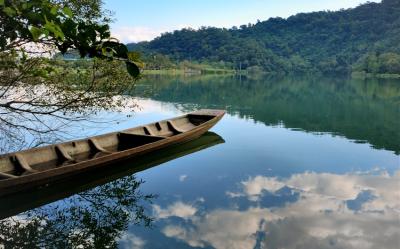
(143, 20)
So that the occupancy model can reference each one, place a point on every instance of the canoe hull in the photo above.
(22, 183)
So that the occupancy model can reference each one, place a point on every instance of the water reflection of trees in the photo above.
(96, 218)
(362, 110)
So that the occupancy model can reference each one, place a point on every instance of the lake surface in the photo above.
(295, 163)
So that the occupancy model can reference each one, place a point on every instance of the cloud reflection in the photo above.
(178, 209)
(130, 240)
(356, 210)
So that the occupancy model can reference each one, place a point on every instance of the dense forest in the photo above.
(363, 39)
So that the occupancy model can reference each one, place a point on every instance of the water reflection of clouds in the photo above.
(182, 178)
(177, 209)
(130, 240)
(329, 211)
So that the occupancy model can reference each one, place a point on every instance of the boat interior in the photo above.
(44, 158)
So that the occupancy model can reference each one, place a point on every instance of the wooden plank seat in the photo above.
(64, 158)
(158, 130)
(163, 129)
(23, 164)
(148, 131)
(174, 127)
(97, 147)
(181, 128)
(62, 153)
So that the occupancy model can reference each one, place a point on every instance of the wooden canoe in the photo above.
(35, 197)
(38, 166)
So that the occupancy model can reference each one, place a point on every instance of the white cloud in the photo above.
(254, 186)
(339, 187)
(129, 240)
(222, 229)
(319, 218)
(178, 209)
(182, 178)
(200, 199)
(233, 194)
(128, 34)
(182, 234)
(136, 34)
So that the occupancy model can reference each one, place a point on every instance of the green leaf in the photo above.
(34, 18)
(36, 33)
(1, 2)
(9, 11)
(68, 12)
(132, 69)
(119, 49)
(134, 56)
(69, 28)
(26, 6)
(55, 29)
(54, 10)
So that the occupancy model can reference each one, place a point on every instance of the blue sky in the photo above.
(138, 20)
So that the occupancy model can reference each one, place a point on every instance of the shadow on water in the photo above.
(95, 210)
(366, 111)
(95, 218)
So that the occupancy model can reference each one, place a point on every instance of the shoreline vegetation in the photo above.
(194, 68)
(188, 71)
(365, 75)
(355, 75)
(219, 71)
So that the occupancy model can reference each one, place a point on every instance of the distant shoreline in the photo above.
(364, 75)
(187, 71)
(356, 75)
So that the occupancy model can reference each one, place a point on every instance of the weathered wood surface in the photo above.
(38, 166)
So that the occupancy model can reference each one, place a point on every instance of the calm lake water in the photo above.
(295, 163)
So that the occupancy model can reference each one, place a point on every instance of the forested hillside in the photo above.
(365, 38)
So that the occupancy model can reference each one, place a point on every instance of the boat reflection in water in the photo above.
(92, 211)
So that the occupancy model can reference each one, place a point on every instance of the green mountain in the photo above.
(365, 38)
